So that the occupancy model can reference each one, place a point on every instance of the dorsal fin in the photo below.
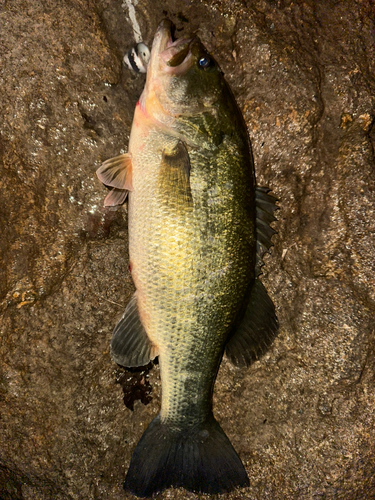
(257, 329)
(265, 207)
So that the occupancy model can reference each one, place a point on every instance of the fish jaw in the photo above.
(168, 56)
(150, 99)
(150, 107)
(162, 40)
(169, 59)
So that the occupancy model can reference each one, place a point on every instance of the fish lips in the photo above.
(172, 57)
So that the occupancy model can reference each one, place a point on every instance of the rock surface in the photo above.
(303, 417)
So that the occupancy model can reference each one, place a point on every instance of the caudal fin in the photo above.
(200, 459)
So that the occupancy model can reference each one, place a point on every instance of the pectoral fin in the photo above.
(130, 345)
(116, 173)
(174, 176)
(257, 329)
(115, 197)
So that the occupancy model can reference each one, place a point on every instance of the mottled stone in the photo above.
(303, 417)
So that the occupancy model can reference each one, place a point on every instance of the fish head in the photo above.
(183, 79)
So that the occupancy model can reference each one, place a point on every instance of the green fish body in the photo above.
(195, 246)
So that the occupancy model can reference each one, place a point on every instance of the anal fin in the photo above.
(130, 345)
(257, 329)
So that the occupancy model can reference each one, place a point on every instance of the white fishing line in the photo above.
(131, 4)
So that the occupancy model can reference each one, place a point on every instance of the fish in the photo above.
(198, 230)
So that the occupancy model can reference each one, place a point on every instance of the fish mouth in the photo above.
(169, 55)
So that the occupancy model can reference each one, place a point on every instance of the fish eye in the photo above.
(204, 62)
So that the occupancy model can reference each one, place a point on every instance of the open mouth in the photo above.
(175, 54)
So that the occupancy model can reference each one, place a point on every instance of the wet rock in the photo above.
(302, 418)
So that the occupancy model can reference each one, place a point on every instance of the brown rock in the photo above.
(303, 417)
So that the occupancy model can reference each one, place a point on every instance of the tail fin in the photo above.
(199, 459)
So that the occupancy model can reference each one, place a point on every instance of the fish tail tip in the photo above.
(199, 459)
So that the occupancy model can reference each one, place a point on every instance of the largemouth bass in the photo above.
(198, 228)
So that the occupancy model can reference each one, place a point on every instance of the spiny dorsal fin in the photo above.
(116, 173)
(130, 345)
(265, 207)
